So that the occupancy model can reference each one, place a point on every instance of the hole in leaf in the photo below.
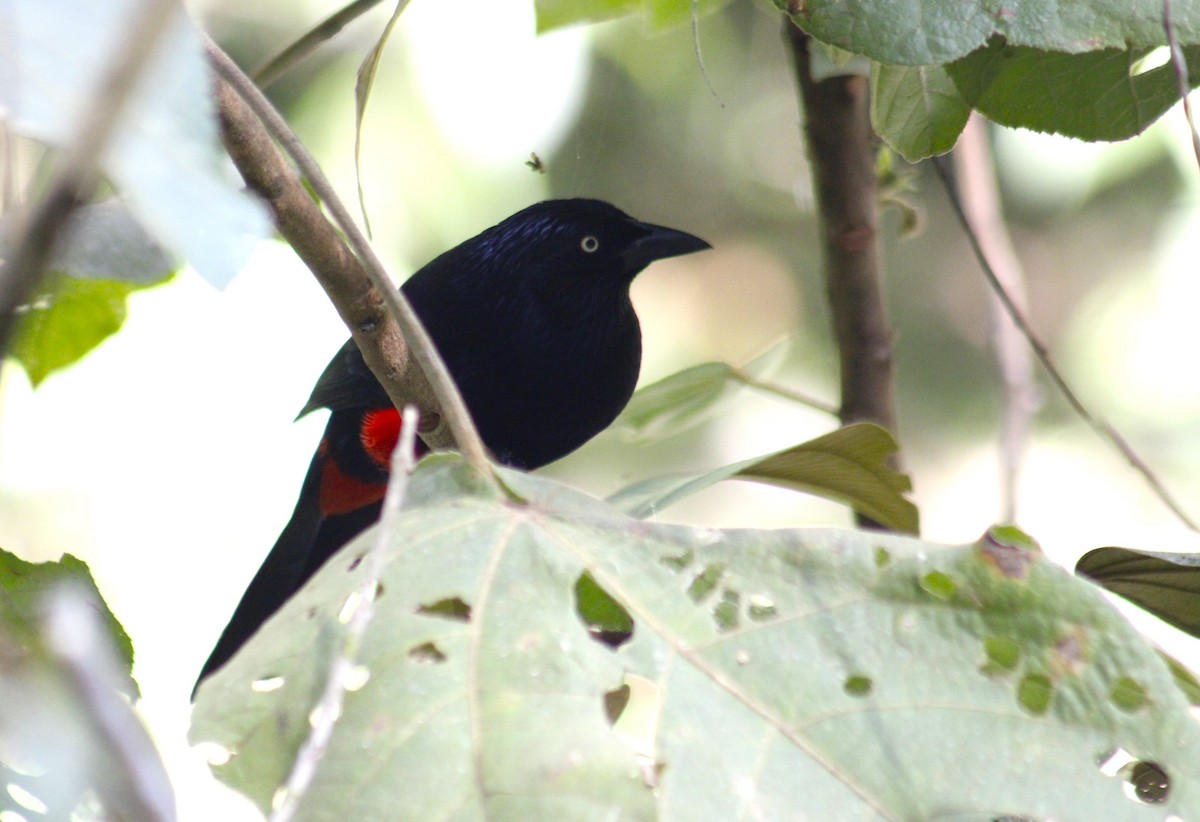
(606, 620)
(356, 678)
(680, 562)
(449, 608)
(938, 585)
(760, 608)
(266, 684)
(725, 612)
(1128, 694)
(1003, 654)
(426, 653)
(214, 753)
(1034, 692)
(353, 600)
(615, 702)
(705, 582)
(882, 557)
(858, 685)
(1146, 782)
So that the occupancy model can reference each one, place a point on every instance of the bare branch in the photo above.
(381, 321)
(976, 179)
(343, 671)
(840, 144)
(1102, 428)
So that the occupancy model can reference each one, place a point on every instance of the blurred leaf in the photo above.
(692, 396)
(812, 669)
(1091, 96)
(916, 109)
(848, 465)
(1166, 585)
(25, 585)
(1184, 678)
(552, 14)
(71, 745)
(163, 155)
(931, 32)
(103, 241)
(362, 93)
(67, 319)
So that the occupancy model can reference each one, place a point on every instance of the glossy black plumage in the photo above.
(534, 321)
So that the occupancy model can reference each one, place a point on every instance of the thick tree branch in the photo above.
(838, 130)
(380, 320)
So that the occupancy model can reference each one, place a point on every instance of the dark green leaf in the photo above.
(930, 32)
(1091, 96)
(1166, 585)
(860, 696)
(916, 109)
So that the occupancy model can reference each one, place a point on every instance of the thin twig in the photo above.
(976, 179)
(455, 423)
(342, 671)
(1179, 63)
(135, 783)
(766, 386)
(1102, 428)
(275, 68)
(38, 226)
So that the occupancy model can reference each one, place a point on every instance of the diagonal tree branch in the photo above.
(379, 318)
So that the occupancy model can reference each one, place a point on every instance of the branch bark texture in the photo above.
(837, 127)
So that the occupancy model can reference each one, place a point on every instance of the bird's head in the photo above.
(583, 240)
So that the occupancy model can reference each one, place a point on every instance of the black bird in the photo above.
(534, 321)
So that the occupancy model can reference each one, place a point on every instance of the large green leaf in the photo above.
(848, 465)
(810, 674)
(1100, 95)
(916, 109)
(930, 32)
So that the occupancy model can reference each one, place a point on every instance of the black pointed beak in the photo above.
(658, 243)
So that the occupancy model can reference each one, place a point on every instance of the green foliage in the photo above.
(848, 465)
(803, 676)
(1097, 95)
(1165, 584)
(930, 32)
(69, 740)
(916, 109)
(67, 319)
(24, 587)
(552, 14)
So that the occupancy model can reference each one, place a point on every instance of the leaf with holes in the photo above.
(820, 674)
(847, 465)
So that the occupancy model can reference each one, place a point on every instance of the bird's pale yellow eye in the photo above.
(589, 244)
